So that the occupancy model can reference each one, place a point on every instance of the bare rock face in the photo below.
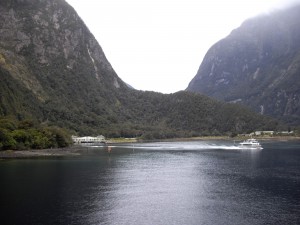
(257, 65)
(52, 36)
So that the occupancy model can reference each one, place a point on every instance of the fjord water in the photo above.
(156, 183)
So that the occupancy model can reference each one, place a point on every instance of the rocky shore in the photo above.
(57, 152)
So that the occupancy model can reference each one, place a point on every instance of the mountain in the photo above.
(52, 67)
(53, 71)
(257, 65)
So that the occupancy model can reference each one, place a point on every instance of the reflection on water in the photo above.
(157, 183)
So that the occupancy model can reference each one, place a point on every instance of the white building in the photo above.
(88, 139)
(266, 132)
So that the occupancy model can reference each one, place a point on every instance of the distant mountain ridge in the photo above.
(52, 70)
(257, 65)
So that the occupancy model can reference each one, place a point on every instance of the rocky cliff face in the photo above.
(47, 39)
(257, 65)
(46, 49)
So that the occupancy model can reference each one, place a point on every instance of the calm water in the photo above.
(156, 183)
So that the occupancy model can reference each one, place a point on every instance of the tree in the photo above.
(6, 140)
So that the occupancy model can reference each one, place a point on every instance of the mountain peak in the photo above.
(257, 65)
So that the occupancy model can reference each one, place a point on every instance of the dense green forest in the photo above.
(150, 115)
(25, 134)
(185, 114)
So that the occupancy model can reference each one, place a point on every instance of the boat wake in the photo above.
(177, 146)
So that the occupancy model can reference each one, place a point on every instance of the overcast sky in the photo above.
(158, 45)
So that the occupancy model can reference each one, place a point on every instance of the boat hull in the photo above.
(250, 147)
(250, 144)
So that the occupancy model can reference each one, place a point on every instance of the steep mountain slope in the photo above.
(257, 65)
(46, 49)
(53, 70)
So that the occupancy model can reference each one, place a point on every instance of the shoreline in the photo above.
(77, 150)
(40, 153)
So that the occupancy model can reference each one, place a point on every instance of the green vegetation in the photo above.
(84, 108)
(183, 114)
(25, 134)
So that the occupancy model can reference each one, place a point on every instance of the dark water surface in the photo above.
(156, 183)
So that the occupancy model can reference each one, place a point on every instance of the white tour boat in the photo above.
(250, 143)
